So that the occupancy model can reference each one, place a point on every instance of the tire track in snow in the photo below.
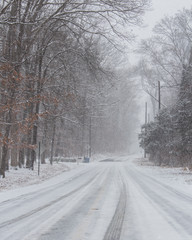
(114, 230)
(169, 209)
(34, 194)
(166, 187)
(28, 214)
(84, 219)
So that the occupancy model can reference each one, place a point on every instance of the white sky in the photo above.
(161, 8)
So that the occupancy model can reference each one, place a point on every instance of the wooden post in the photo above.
(145, 155)
(90, 139)
(159, 95)
(39, 158)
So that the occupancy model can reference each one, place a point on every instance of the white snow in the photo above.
(180, 177)
(22, 177)
(80, 204)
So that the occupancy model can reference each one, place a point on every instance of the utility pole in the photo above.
(145, 155)
(39, 158)
(90, 138)
(159, 95)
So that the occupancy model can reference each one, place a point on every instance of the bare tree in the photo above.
(48, 46)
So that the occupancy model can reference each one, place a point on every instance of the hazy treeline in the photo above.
(168, 139)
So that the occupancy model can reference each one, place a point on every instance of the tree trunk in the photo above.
(5, 147)
(44, 143)
(52, 142)
(0, 155)
(43, 156)
(58, 146)
(34, 142)
(28, 153)
(21, 157)
(4, 159)
(14, 154)
(34, 139)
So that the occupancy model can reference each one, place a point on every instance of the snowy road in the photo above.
(110, 200)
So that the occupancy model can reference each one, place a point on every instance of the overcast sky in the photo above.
(161, 8)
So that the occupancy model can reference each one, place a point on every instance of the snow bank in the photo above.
(23, 177)
(178, 176)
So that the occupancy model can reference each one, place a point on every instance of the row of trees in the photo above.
(168, 139)
(54, 73)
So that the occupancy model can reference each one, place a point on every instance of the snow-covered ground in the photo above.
(119, 199)
(180, 176)
(21, 177)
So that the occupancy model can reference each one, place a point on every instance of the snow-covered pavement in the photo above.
(109, 200)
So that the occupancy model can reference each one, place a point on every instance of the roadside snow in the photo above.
(78, 204)
(24, 177)
(21, 177)
(179, 177)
